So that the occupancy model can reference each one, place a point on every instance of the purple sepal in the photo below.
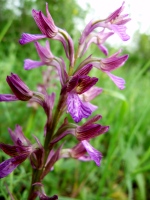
(19, 88)
(90, 130)
(26, 38)
(113, 62)
(14, 150)
(8, 97)
(31, 64)
(85, 83)
(11, 164)
(45, 24)
(44, 53)
(76, 107)
(84, 70)
(17, 136)
(95, 155)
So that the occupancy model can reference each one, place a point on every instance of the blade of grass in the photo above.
(5, 29)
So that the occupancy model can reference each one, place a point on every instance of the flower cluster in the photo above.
(78, 88)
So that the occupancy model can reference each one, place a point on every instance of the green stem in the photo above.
(36, 175)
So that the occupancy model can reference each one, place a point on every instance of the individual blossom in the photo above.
(107, 65)
(47, 58)
(114, 22)
(19, 88)
(20, 151)
(44, 23)
(83, 134)
(111, 63)
(79, 84)
(97, 38)
(49, 30)
(23, 93)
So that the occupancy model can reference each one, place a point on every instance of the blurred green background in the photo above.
(124, 173)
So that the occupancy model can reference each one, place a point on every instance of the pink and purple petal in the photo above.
(8, 97)
(85, 83)
(26, 38)
(113, 62)
(44, 52)
(121, 31)
(119, 82)
(11, 164)
(95, 155)
(31, 64)
(76, 107)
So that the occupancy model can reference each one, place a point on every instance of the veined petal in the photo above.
(9, 165)
(18, 137)
(85, 83)
(92, 120)
(72, 83)
(121, 31)
(8, 97)
(116, 13)
(45, 24)
(95, 155)
(87, 132)
(112, 62)
(14, 150)
(90, 105)
(26, 38)
(85, 32)
(76, 108)
(44, 53)
(31, 64)
(119, 82)
(84, 70)
(19, 88)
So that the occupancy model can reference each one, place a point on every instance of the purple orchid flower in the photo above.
(111, 63)
(83, 134)
(47, 58)
(18, 87)
(114, 22)
(107, 65)
(79, 84)
(49, 30)
(23, 93)
(83, 151)
(20, 151)
(96, 38)
(44, 23)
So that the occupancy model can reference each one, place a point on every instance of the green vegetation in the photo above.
(125, 168)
